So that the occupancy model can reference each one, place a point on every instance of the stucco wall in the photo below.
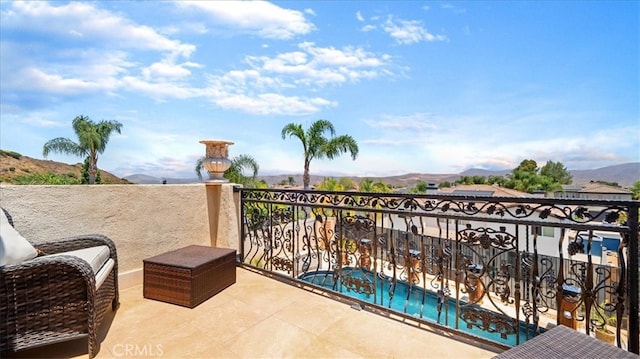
(142, 220)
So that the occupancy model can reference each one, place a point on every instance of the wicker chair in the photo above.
(49, 299)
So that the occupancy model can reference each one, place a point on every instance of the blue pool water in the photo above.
(408, 299)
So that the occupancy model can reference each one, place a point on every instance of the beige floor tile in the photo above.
(273, 338)
(320, 349)
(257, 317)
(223, 324)
(314, 313)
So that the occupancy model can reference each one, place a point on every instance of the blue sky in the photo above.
(431, 87)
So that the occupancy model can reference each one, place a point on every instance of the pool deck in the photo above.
(259, 317)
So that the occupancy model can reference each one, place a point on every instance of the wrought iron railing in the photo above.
(497, 269)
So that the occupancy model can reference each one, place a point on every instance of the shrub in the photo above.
(44, 179)
(15, 155)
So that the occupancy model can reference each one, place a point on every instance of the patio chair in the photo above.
(57, 291)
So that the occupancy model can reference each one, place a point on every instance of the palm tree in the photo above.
(367, 185)
(316, 145)
(336, 185)
(92, 139)
(235, 172)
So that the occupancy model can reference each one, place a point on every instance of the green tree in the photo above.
(85, 173)
(445, 184)
(635, 189)
(527, 166)
(499, 180)
(368, 185)
(236, 172)
(527, 177)
(316, 145)
(260, 184)
(471, 180)
(524, 178)
(92, 140)
(332, 184)
(420, 187)
(557, 172)
(523, 181)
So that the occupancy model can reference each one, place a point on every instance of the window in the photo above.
(543, 231)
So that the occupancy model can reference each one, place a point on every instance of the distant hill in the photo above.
(624, 174)
(145, 179)
(407, 180)
(12, 164)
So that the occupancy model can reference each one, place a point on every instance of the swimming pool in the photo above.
(405, 298)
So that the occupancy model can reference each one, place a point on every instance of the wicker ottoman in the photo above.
(190, 275)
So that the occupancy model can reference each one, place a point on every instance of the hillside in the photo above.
(13, 164)
(624, 174)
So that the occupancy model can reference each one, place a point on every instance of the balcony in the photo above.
(491, 258)
(500, 270)
(257, 317)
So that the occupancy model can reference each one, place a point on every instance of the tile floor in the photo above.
(259, 317)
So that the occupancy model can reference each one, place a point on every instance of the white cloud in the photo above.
(259, 17)
(263, 87)
(359, 16)
(368, 28)
(36, 79)
(87, 52)
(408, 32)
(321, 65)
(84, 22)
(37, 119)
(165, 70)
(160, 91)
(270, 103)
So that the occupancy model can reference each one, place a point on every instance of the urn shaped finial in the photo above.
(216, 160)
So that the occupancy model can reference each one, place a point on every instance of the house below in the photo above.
(593, 190)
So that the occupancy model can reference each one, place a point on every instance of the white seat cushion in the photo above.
(102, 275)
(14, 248)
(95, 256)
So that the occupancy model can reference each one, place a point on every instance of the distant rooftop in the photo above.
(595, 187)
(483, 190)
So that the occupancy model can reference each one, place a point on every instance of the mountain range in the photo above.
(623, 174)
(13, 164)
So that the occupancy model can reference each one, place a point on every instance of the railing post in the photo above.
(632, 221)
(237, 199)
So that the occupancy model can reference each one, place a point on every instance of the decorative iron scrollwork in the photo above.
(488, 321)
(282, 264)
(439, 248)
(358, 285)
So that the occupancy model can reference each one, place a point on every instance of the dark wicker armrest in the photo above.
(77, 242)
(50, 271)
